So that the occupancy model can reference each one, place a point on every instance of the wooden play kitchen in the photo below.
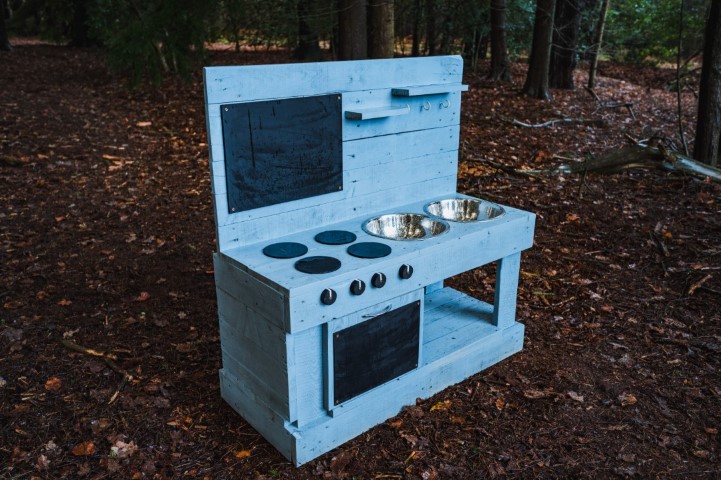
(337, 217)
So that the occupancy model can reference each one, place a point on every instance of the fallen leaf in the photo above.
(572, 217)
(241, 454)
(84, 449)
(441, 405)
(43, 462)
(122, 449)
(575, 396)
(53, 385)
(627, 399)
(536, 394)
(65, 302)
(500, 403)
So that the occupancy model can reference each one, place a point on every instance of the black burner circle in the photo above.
(335, 237)
(369, 250)
(285, 250)
(317, 265)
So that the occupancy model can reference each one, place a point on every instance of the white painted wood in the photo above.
(428, 90)
(507, 272)
(240, 395)
(263, 393)
(264, 82)
(378, 112)
(237, 235)
(248, 290)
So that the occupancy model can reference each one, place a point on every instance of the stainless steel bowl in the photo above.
(405, 226)
(464, 210)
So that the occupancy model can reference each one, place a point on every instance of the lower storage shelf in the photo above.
(458, 340)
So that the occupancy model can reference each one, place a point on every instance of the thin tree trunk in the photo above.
(708, 127)
(597, 40)
(4, 41)
(416, 47)
(499, 51)
(566, 25)
(352, 38)
(307, 48)
(431, 27)
(536, 85)
(380, 29)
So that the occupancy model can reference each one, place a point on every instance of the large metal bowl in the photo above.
(464, 210)
(405, 226)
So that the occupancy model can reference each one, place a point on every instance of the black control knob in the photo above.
(405, 272)
(357, 287)
(378, 280)
(328, 297)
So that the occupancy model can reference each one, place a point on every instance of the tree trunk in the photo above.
(417, 14)
(4, 41)
(567, 23)
(307, 48)
(499, 51)
(536, 85)
(431, 27)
(380, 29)
(597, 40)
(352, 38)
(708, 127)
(79, 29)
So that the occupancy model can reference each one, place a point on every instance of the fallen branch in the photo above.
(692, 289)
(549, 123)
(108, 358)
(611, 105)
(642, 157)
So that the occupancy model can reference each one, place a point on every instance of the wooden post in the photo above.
(504, 303)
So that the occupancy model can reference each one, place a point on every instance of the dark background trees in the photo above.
(154, 38)
(708, 129)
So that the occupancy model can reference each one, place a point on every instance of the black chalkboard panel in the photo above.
(277, 151)
(373, 352)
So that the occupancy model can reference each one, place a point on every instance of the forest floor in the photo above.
(107, 233)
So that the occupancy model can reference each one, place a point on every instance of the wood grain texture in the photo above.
(262, 82)
(506, 291)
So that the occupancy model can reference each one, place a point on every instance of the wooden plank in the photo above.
(262, 392)
(262, 82)
(385, 149)
(506, 291)
(247, 290)
(236, 235)
(254, 328)
(259, 415)
(428, 90)
(377, 112)
(308, 368)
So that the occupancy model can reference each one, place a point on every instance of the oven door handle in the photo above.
(374, 315)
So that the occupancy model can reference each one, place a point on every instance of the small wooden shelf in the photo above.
(428, 90)
(379, 112)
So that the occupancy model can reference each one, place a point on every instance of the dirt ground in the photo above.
(107, 234)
